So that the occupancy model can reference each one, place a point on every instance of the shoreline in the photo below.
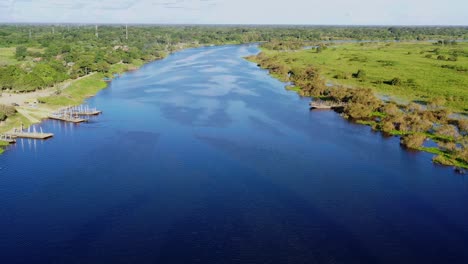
(69, 96)
(444, 158)
(47, 101)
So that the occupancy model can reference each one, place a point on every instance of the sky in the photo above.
(308, 12)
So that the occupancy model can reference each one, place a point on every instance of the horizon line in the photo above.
(232, 24)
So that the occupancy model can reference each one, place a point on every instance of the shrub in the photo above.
(342, 75)
(390, 109)
(395, 81)
(413, 141)
(449, 147)
(462, 125)
(6, 111)
(358, 111)
(436, 102)
(448, 131)
(21, 52)
(360, 74)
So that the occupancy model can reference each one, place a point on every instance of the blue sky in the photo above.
(330, 12)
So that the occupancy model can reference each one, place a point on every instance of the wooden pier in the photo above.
(90, 113)
(7, 138)
(72, 114)
(21, 133)
(68, 118)
(31, 135)
(324, 105)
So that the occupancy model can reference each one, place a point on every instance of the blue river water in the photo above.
(204, 158)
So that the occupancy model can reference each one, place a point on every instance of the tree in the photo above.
(102, 66)
(9, 76)
(47, 73)
(21, 52)
(66, 48)
(29, 82)
(112, 59)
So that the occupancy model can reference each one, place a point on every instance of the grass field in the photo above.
(422, 78)
(79, 90)
(7, 56)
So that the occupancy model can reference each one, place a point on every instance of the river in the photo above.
(204, 158)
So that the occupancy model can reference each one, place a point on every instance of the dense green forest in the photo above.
(37, 56)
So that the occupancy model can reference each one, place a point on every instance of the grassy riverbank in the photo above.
(2, 145)
(421, 71)
(403, 72)
(76, 92)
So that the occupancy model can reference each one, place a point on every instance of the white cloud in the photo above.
(416, 12)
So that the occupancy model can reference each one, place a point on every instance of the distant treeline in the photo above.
(19, 34)
(48, 54)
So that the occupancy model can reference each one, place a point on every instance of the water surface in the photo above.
(204, 158)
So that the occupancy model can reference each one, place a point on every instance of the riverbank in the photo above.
(33, 107)
(425, 128)
(406, 71)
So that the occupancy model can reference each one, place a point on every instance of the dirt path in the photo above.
(25, 99)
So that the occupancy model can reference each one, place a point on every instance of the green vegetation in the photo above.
(37, 57)
(77, 91)
(86, 87)
(397, 69)
(2, 145)
(6, 111)
(7, 56)
(389, 68)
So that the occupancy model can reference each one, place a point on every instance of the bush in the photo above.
(436, 102)
(448, 131)
(413, 141)
(21, 52)
(449, 147)
(395, 81)
(342, 75)
(358, 111)
(6, 111)
(462, 125)
(360, 74)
